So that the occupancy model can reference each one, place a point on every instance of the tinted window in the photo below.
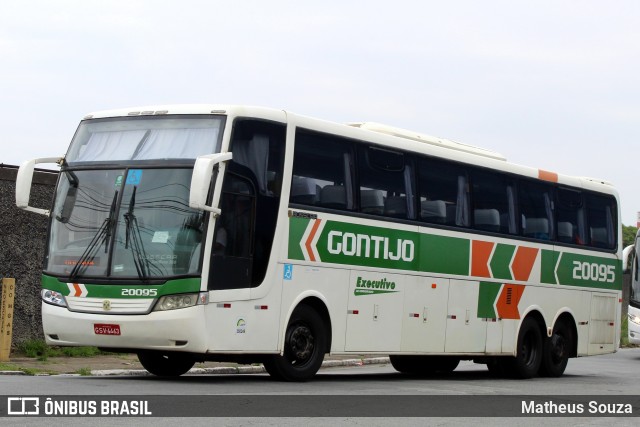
(322, 167)
(443, 196)
(536, 209)
(570, 215)
(601, 218)
(492, 198)
(385, 183)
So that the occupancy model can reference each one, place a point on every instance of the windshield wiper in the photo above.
(132, 235)
(102, 235)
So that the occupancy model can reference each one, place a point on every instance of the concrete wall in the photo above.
(22, 243)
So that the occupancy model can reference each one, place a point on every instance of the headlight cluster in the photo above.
(53, 298)
(174, 302)
(635, 319)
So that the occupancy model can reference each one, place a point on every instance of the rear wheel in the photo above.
(304, 347)
(529, 351)
(556, 350)
(166, 364)
(424, 365)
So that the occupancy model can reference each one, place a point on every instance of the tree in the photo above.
(628, 234)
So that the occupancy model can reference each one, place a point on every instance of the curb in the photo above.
(223, 370)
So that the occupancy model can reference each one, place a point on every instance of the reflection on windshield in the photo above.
(144, 212)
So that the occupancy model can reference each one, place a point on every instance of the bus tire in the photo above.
(556, 350)
(424, 365)
(529, 351)
(170, 364)
(304, 347)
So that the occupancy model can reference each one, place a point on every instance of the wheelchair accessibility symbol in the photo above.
(288, 271)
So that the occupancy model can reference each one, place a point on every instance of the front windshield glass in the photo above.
(125, 223)
(145, 138)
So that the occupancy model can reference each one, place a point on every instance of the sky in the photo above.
(549, 84)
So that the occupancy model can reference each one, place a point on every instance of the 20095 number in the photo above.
(594, 271)
(139, 292)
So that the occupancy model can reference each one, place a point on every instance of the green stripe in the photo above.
(368, 246)
(445, 255)
(115, 291)
(549, 259)
(501, 260)
(297, 227)
(487, 298)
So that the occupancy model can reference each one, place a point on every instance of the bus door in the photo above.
(249, 203)
(232, 253)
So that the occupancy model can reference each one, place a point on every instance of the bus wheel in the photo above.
(171, 364)
(424, 365)
(304, 347)
(555, 353)
(527, 361)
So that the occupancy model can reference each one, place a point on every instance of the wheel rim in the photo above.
(558, 348)
(300, 344)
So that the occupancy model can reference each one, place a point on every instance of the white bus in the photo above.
(215, 232)
(631, 262)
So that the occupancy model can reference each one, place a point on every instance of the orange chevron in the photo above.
(307, 244)
(480, 254)
(507, 304)
(523, 263)
(77, 289)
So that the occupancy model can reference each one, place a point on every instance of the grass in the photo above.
(38, 349)
(624, 332)
(27, 371)
(85, 372)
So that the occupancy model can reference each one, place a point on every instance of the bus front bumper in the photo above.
(174, 330)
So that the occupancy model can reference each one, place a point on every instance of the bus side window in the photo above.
(601, 217)
(442, 193)
(322, 171)
(385, 183)
(493, 202)
(536, 209)
(570, 216)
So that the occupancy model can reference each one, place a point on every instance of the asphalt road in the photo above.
(608, 375)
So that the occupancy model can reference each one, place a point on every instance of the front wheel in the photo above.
(170, 364)
(304, 347)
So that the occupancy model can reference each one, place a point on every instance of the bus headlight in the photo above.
(635, 319)
(174, 302)
(53, 298)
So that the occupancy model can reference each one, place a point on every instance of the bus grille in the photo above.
(110, 306)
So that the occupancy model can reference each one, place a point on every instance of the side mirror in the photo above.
(627, 255)
(201, 182)
(23, 183)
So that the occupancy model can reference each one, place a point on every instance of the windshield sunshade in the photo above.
(122, 139)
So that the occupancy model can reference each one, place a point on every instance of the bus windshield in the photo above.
(125, 223)
(122, 204)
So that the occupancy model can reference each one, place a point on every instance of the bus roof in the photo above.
(373, 132)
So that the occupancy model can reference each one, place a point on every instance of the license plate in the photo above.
(106, 329)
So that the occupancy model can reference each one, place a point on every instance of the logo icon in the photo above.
(23, 406)
(106, 305)
(288, 271)
(241, 326)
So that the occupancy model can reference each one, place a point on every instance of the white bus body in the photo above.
(631, 261)
(216, 232)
